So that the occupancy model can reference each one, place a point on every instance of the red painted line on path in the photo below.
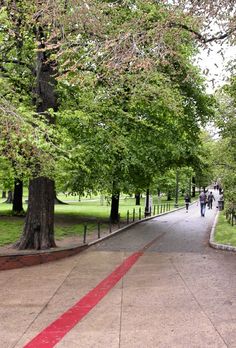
(52, 334)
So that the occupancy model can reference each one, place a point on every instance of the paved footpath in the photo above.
(158, 284)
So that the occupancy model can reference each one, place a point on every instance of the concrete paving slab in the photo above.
(14, 321)
(105, 317)
(98, 339)
(227, 329)
(180, 293)
(162, 338)
(79, 282)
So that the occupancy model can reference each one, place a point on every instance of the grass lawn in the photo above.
(225, 232)
(70, 218)
(10, 229)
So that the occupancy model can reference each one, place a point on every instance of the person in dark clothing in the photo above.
(187, 201)
(221, 202)
(210, 199)
(202, 200)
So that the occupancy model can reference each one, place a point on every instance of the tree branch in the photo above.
(17, 62)
(201, 37)
(225, 165)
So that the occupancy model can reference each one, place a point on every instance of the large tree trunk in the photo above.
(177, 190)
(39, 225)
(39, 230)
(17, 208)
(4, 194)
(168, 196)
(193, 187)
(57, 200)
(147, 204)
(9, 197)
(137, 198)
(114, 215)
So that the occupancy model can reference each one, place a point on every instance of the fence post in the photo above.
(118, 221)
(154, 211)
(85, 233)
(127, 217)
(140, 213)
(110, 226)
(99, 230)
(133, 214)
(161, 209)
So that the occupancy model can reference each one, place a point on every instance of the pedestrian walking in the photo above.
(210, 200)
(187, 201)
(221, 202)
(202, 200)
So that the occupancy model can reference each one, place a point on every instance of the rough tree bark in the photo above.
(9, 197)
(137, 198)
(57, 200)
(39, 225)
(114, 215)
(147, 207)
(193, 187)
(17, 208)
(168, 196)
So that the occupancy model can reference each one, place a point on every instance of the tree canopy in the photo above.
(102, 95)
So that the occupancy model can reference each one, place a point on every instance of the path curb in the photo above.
(27, 258)
(131, 225)
(215, 245)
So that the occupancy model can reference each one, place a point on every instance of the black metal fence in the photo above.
(101, 229)
(231, 216)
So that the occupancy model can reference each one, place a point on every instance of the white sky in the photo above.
(216, 64)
